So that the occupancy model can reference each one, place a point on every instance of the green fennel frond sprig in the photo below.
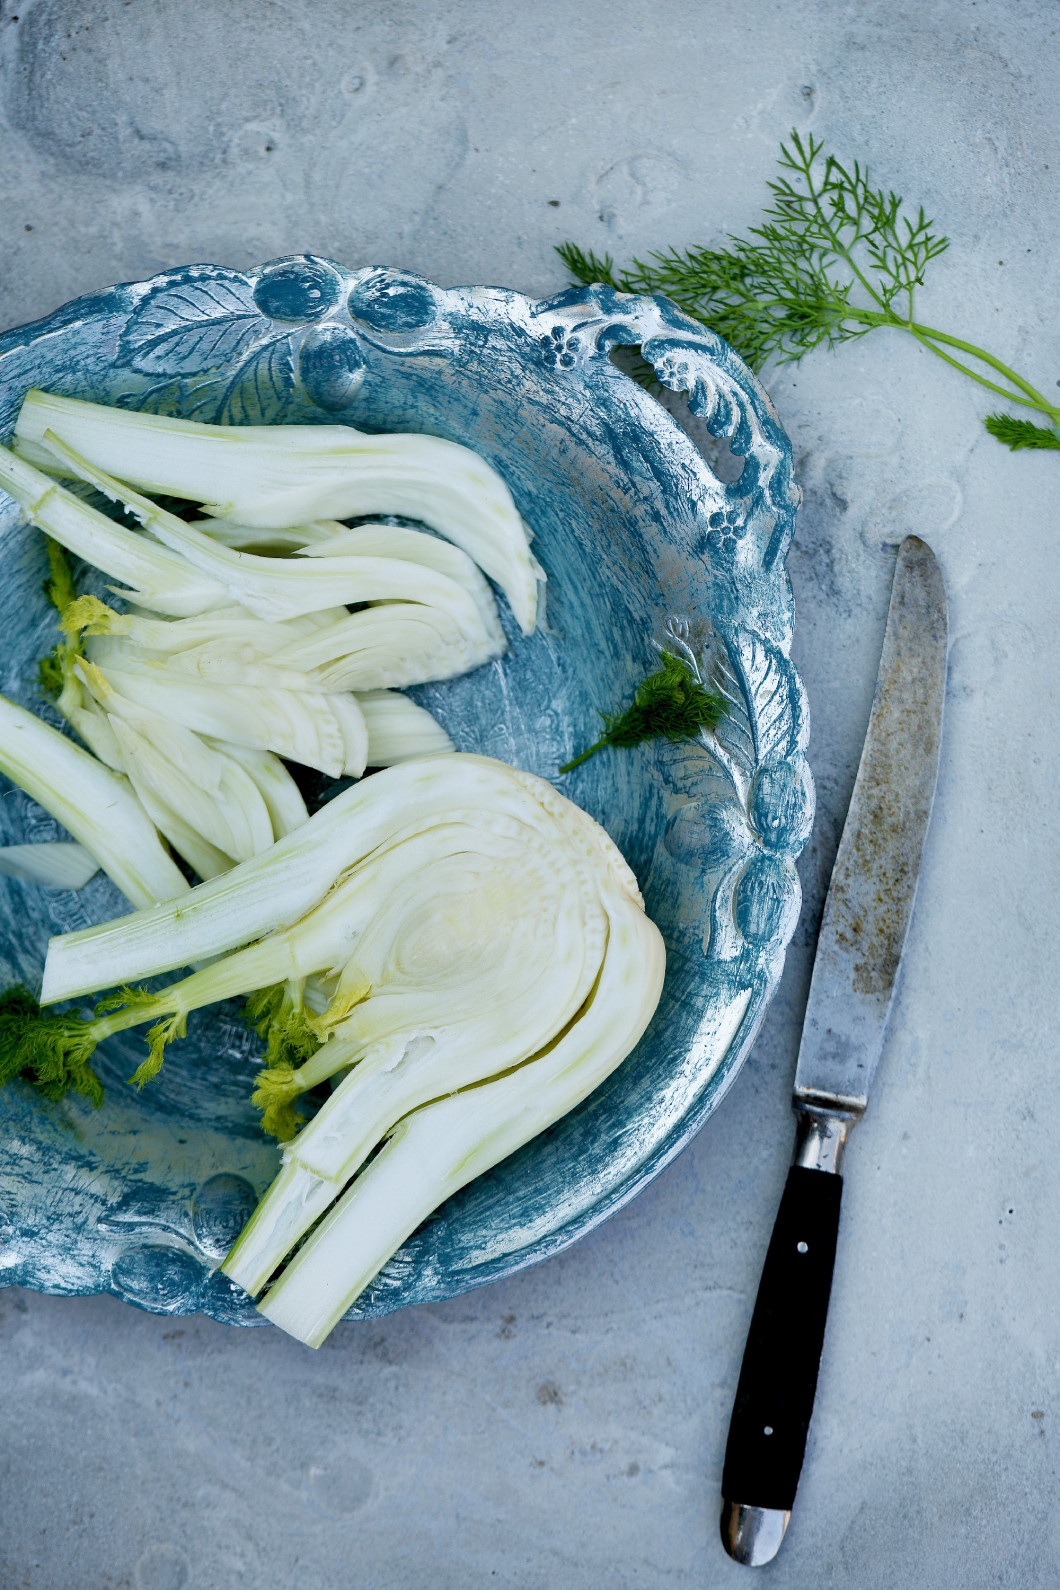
(277, 1014)
(833, 259)
(1018, 434)
(671, 704)
(50, 1051)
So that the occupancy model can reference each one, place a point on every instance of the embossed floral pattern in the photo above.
(224, 344)
(725, 527)
(559, 348)
(672, 370)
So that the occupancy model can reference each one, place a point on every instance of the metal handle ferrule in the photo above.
(821, 1136)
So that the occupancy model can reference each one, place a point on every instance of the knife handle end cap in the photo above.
(752, 1535)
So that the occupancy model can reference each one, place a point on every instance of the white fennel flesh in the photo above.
(51, 864)
(271, 477)
(277, 588)
(151, 574)
(436, 1150)
(94, 804)
(324, 731)
(399, 730)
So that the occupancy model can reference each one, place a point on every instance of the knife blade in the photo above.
(859, 949)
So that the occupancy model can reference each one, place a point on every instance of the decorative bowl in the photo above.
(643, 546)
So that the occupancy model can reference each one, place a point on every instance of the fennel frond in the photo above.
(833, 259)
(51, 1051)
(670, 704)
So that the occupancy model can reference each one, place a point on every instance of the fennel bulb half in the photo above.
(473, 938)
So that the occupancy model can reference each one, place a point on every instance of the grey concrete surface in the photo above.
(567, 1427)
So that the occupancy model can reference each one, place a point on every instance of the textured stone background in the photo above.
(567, 1427)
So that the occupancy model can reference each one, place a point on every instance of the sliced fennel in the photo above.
(327, 732)
(413, 901)
(241, 632)
(93, 804)
(179, 778)
(283, 800)
(216, 667)
(332, 538)
(52, 863)
(210, 804)
(429, 1022)
(278, 542)
(363, 878)
(399, 730)
(389, 645)
(436, 1150)
(272, 477)
(275, 588)
(155, 577)
(274, 890)
(411, 546)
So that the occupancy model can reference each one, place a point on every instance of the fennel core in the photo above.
(833, 259)
(671, 704)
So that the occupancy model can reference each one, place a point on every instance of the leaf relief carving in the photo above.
(200, 324)
(766, 719)
(256, 389)
(251, 394)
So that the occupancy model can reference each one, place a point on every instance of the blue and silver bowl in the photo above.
(643, 547)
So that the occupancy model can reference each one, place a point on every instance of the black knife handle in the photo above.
(778, 1379)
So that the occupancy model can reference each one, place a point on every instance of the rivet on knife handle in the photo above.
(778, 1379)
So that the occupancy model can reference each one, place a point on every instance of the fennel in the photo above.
(405, 905)
(436, 1026)
(394, 644)
(271, 477)
(399, 730)
(93, 804)
(273, 890)
(283, 801)
(51, 864)
(271, 588)
(671, 703)
(438, 1149)
(206, 649)
(327, 732)
(188, 788)
(51, 1073)
(156, 577)
(833, 259)
(214, 803)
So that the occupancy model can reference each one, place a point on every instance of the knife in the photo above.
(863, 930)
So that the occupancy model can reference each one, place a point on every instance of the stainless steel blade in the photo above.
(870, 899)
